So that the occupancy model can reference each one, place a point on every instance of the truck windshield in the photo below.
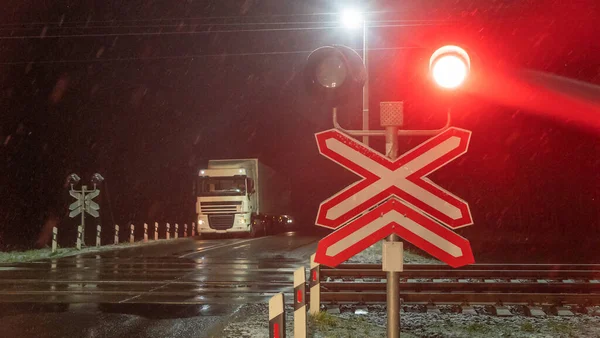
(215, 186)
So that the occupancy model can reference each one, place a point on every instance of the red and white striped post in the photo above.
(276, 317)
(314, 285)
(300, 303)
(131, 236)
(156, 231)
(168, 235)
(54, 242)
(176, 230)
(79, 237)
(98, 232)
(145, 232)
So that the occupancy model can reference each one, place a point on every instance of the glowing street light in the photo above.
(449, 66)
(352, 19)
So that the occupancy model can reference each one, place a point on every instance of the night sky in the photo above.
(145, 92)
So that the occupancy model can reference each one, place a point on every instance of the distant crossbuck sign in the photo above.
(394, 197)
(84, 204)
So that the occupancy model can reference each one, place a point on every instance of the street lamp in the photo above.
(449, 66)
(352, 19)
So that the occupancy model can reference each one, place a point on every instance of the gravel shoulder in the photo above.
(41, 254)
(252, 321)
(372, 255)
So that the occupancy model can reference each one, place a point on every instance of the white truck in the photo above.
(241, 196)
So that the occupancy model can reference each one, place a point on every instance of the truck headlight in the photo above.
(200, 222)
(241, 221)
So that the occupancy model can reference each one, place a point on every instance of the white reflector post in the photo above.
(276, 317)
(156, 231)
(131, 236)
(145, 232)
(300, 303)
(315, 286)
(116, 234)
(79, 235)
(168, 234)
(98, 232)
(54, 242)
(176, 230)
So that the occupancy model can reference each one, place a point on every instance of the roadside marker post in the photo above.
(54, 236)
(131, 236)
(156, 231)
(314, 285)
(193, 229)
(185, 230)
(276, 316)
(300, 303)
(168, 235)
(79, 235)
(176, 231)
(145, 232)
(116, 234)
(98, 231)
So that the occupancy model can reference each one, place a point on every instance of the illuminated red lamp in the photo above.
(449, 66)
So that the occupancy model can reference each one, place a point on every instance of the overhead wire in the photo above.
(208, 31)
(194, 56)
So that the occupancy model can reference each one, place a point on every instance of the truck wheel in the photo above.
(253, 231)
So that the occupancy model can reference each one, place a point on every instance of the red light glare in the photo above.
(449, 66)
(449, 71)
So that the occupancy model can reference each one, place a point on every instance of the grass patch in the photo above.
(323, 321)
(478, 328)
(527, 327)
(561, 328)
(40, 254)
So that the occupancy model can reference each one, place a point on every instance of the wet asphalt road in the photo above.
(185, 288)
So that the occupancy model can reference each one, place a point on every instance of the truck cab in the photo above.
(224, 201)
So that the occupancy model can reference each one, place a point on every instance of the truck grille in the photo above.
(220, 222)
(219, 207)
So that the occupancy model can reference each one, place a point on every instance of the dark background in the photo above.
(145, 92)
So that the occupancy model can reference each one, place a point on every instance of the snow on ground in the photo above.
(372, 255)
(252, 321)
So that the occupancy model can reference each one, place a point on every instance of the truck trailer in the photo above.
(241, 196)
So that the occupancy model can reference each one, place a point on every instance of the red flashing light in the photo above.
(449, 66)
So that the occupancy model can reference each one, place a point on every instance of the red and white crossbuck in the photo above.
(394, 197)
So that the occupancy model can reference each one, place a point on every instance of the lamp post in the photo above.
(352, 19)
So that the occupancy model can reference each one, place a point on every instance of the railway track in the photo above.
(478, 284)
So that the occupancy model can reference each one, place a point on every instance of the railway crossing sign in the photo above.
(394, 197)
(84, 203)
